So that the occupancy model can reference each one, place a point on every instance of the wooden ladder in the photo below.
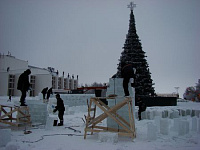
(7, 115)
(128, 128)
(91, 108)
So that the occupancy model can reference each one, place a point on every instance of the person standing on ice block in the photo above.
(128, 72)
(23, 85)
(60, 108)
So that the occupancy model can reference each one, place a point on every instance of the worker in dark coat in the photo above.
(49, 93)
(44, 92)
(60, 108)
(23, 85)
(142, 107)
(127, 71)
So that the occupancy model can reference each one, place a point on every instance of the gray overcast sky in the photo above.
(85, 37)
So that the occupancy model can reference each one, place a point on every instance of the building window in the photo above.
(53, 82)
(32, 82)
(11, 85)
(59, 83)
(75, 84)
(70, 86)
(65, 83)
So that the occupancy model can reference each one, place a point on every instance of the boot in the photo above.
(23, 104)
(61, 123)
(55, 122)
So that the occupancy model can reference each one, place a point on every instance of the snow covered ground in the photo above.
(63, 138)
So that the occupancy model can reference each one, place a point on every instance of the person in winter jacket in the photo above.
(60, 108)
(49, 93)
(128, 71)
(23, 85)
(142, 107)
(44, 92)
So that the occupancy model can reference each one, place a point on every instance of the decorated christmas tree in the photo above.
(133, 54)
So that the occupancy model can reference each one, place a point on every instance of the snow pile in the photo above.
(175, 133)
(12, 146)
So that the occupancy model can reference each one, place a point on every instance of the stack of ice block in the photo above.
(5, 136)
(164, 126)
(171, 113)
(76, 99)
(194, 124)
(38, 111)
(151, 131)
(198, 125)
(72, 99)
(50, 122)
(183, 127)
(108, 137)
(116, 87)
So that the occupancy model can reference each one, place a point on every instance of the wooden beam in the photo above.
(128, 127)
(8, 119)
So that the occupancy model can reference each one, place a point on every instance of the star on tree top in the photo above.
(131, 5)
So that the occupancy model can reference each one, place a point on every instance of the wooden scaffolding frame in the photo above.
(7, 115)
(128, 128)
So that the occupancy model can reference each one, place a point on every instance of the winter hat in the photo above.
(28, 71)
(58, 95)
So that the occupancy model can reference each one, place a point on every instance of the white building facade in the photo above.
(11, 68)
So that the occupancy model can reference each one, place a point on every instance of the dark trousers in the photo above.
(125, 85)
(60, 115)
(43, 96)
(23, 96)
(48, 95)
(139, 115)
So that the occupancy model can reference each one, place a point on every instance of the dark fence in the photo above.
(159, 101)
(77, 92)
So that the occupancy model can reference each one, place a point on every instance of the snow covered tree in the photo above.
(133, 54)
(192, 93)
(189, 93)
(198, 91)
